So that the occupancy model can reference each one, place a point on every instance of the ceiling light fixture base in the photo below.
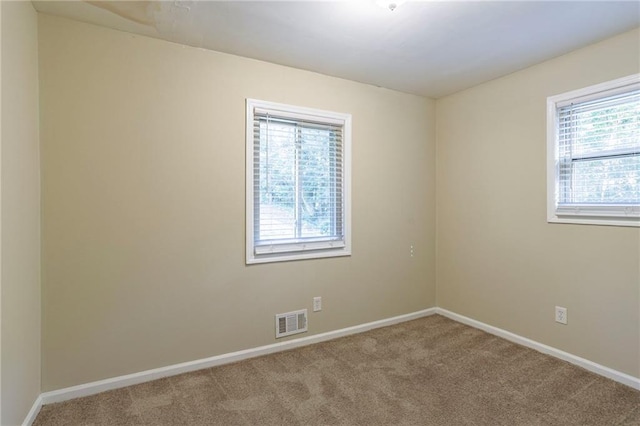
(390, 5)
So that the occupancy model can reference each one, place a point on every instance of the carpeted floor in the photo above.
(431, 371)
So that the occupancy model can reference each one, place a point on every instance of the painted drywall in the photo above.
(498, 260)
(143, 145)
(0, 213)
(20, 213)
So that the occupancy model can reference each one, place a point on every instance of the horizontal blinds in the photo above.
(297, 117)
(297, 182)
(599, 150)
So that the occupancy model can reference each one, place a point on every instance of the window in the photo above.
(298, 177)
(593, 152)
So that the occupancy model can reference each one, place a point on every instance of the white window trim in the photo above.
(586, 214)
(307, 250)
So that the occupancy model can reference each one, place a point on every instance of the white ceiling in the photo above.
(429, 48)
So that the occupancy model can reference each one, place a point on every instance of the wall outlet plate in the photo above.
(561, 315)
(317, 304)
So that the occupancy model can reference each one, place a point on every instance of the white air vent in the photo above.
(291, 323)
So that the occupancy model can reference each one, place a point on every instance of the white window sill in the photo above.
(595, 220)
(286, 257)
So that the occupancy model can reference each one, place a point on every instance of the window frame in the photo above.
(296, 250)
(587, 214)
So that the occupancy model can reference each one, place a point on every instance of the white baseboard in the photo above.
(172, 370)
(607, 372)
(33, 413)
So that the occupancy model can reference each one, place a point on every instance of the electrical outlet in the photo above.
(317, 304)
(412, 251)
(561, 315)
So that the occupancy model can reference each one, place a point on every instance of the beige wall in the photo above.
(143, 205)
(143, 209)
(498, 260)
(20, 214)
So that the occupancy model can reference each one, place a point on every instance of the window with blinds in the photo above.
(297, 182)
(594, 154)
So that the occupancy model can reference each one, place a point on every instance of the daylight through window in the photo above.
(595, 144)
(297, 182)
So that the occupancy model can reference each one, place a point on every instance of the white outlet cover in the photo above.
(317, 304)
(561, 315)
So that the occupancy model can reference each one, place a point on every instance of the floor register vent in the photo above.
(291, 323)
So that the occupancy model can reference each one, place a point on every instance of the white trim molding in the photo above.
(562, 208)
(336, 128)
(185, 367)
(601, 370)
(33, 413)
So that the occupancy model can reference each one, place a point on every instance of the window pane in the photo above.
(599, 148)
(298, 174)
(593, 154)
(276, 208)
(297, 183)
(317, 192)
(608, 181)
(606, 126)
(601, 125)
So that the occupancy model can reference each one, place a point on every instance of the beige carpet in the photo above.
(431, 371)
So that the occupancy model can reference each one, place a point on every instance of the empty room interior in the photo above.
(194, 186)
